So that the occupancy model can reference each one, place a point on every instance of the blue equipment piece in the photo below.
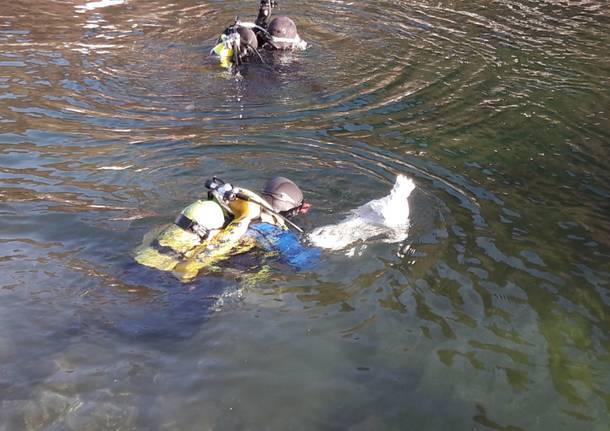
(286, 244)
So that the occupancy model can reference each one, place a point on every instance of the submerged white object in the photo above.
(387, 217)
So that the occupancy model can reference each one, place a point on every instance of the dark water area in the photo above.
(493, 314)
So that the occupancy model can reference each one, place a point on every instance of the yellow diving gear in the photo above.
(224, 52)
(197, 238)
(226, 48)
(164, 248)
(229, 241)
(237, 42)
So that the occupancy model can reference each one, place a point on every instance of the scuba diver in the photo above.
(242, 40)
(233, 220)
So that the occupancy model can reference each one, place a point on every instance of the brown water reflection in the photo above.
(492, 314)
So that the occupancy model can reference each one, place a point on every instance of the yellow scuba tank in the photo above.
(224, 53)
(225, 48)
(197, 223)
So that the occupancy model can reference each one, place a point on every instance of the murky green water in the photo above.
(493, 314)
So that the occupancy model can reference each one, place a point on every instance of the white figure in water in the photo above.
(387, 218)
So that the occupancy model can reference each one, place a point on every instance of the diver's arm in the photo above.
(264, 13)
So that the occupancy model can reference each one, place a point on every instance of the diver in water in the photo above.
(279, 33)
(231, 221)
(242, 40)
(283, 35)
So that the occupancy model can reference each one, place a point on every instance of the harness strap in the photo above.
(189, 225)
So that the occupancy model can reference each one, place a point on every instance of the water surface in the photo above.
(493, 314)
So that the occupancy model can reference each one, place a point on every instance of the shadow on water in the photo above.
(158, 309)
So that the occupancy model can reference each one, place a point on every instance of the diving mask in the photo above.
(294, 42)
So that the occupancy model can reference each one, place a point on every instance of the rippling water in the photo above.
(493, 314)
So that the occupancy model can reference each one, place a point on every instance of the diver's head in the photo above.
(201, 218)
(234, 44)
(283, 32)
(285, 197)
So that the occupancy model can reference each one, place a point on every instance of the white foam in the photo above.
(386, 218)
(113, 168)
(92, 5)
